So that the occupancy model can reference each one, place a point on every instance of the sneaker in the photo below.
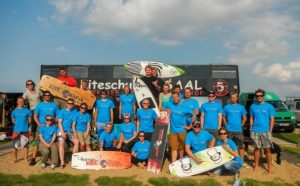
(237, 182)
(32, 162)
(52, 166)
(42, 165)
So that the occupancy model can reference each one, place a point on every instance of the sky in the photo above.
(261, 37)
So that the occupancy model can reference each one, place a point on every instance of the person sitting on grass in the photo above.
(48, 146)
(140, 151)
(81, 129)
(127, 134)
(21, 118)
(234, 165)
(108, 139)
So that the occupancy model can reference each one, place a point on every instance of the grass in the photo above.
(45, 179)
(162, 181)
(292, 150)
(290, 137)
(117, 181)
(251, 182)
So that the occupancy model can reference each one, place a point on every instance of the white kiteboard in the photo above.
(211, 158)
(164, 70)
(142, 92)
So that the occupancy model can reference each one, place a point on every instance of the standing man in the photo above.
(211, 115)
(261, 126)
(192, 105)
(103, 112)
(43, 109)
(234, 120)
(152, 82)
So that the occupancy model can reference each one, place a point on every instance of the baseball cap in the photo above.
(211, 92)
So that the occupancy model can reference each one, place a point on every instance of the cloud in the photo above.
(61, 49)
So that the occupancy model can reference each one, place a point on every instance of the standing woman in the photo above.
(164, 96)
(127, 103)
(81, 129)
(140, 151)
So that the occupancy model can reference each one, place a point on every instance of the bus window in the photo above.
(80, 72)
(119, 72)
(297, 105)
(227, 74)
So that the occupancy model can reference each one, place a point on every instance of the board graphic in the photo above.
(158, 143)
(58, 89)
(212, 158)
(101, 160)
(164, 70)
(141, 92)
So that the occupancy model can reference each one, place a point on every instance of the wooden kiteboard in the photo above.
(101, 160)
(58, 89)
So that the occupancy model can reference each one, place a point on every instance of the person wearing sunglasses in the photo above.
(46, 107)
(108, 139)
(140, 151)
(127, 103)
(21, 118)
(81, 129)
(197, 140)
(65, 133)
(103, 112)
(211, 115)
(48, 146)
(261, 126)
(192, 105)
(145, 119)
(234, 165)
(128, 134)
(234, 118)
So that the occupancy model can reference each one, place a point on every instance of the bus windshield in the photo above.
(278, 105)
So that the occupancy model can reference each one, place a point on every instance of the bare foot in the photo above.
(255, 168)
(141, 165)
(14, 161)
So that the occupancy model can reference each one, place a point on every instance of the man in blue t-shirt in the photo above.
(192, 105)
(261, 126)
(234, 120)
(103, 112)
(211, 115)
(108, 139)
(197, 140)
(140, 151)
(127, 134)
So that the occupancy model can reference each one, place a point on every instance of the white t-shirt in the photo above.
(32, 98)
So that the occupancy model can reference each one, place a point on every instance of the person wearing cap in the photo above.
(127, 103)
(103, 112)
(211, 115)
(192, 105)
(261, 126)
(44, 108)
(108, 139)
(128, 134)
(234, 120)
(198, 140)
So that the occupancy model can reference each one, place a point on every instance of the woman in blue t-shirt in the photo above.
(127, 103)
(140, 151)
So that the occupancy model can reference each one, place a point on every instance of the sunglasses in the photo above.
(83, 108)
(211, 96)
(70, 103)
(49, 119)
(197, 126)
(259, 96)
(126, 118)
(224, 133)
(145, 103)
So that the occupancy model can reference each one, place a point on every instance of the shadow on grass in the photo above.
(44, 179)
(166, 182)
(117, 181)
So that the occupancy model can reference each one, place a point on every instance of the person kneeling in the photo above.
(48, 137)
(234, 165)
(140, 151)
(108, 139)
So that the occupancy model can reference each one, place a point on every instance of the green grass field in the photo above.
(290, 137)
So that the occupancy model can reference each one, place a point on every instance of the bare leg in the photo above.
(26, 154)
(82, 147)
(61, 148)
(269, 159)
(242, 153)
(174, 155)
(256, 158)
(35, 150)
(76, 145)
(88, 147)
(14, 155)
(181, 153)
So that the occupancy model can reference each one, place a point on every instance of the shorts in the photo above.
(20, 139)
(237, 137)
(214, 132)
(69, 136)
(261, 140)
(81, 138)
(176, 141)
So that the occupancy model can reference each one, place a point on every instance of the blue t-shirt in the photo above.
(142, 149)
(178, 117)
(234, 114)
(211, 112)
(261, 114)
(199, 141)
(127, 101)
(20, 115)
(43, 109)
(66, 116)
(146, 118)
(103, 109)
(82, 121)
(233, 147)
(127, 130)
(107, 138)
(192, 105)
(48, 132)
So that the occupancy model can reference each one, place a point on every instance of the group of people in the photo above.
(192, 128)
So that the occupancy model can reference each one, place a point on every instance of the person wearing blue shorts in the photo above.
(140, 151)
(108, 139)
(261, 126)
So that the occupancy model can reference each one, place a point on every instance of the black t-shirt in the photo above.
(148, 81)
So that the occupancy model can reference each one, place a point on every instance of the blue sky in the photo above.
(261, 37)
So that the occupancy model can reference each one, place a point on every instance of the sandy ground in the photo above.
(288, 171)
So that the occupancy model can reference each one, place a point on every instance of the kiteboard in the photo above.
(58, 89)
(101, 160)
(211, 158)
(142, 92)
(164, 70)
(158, 143)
